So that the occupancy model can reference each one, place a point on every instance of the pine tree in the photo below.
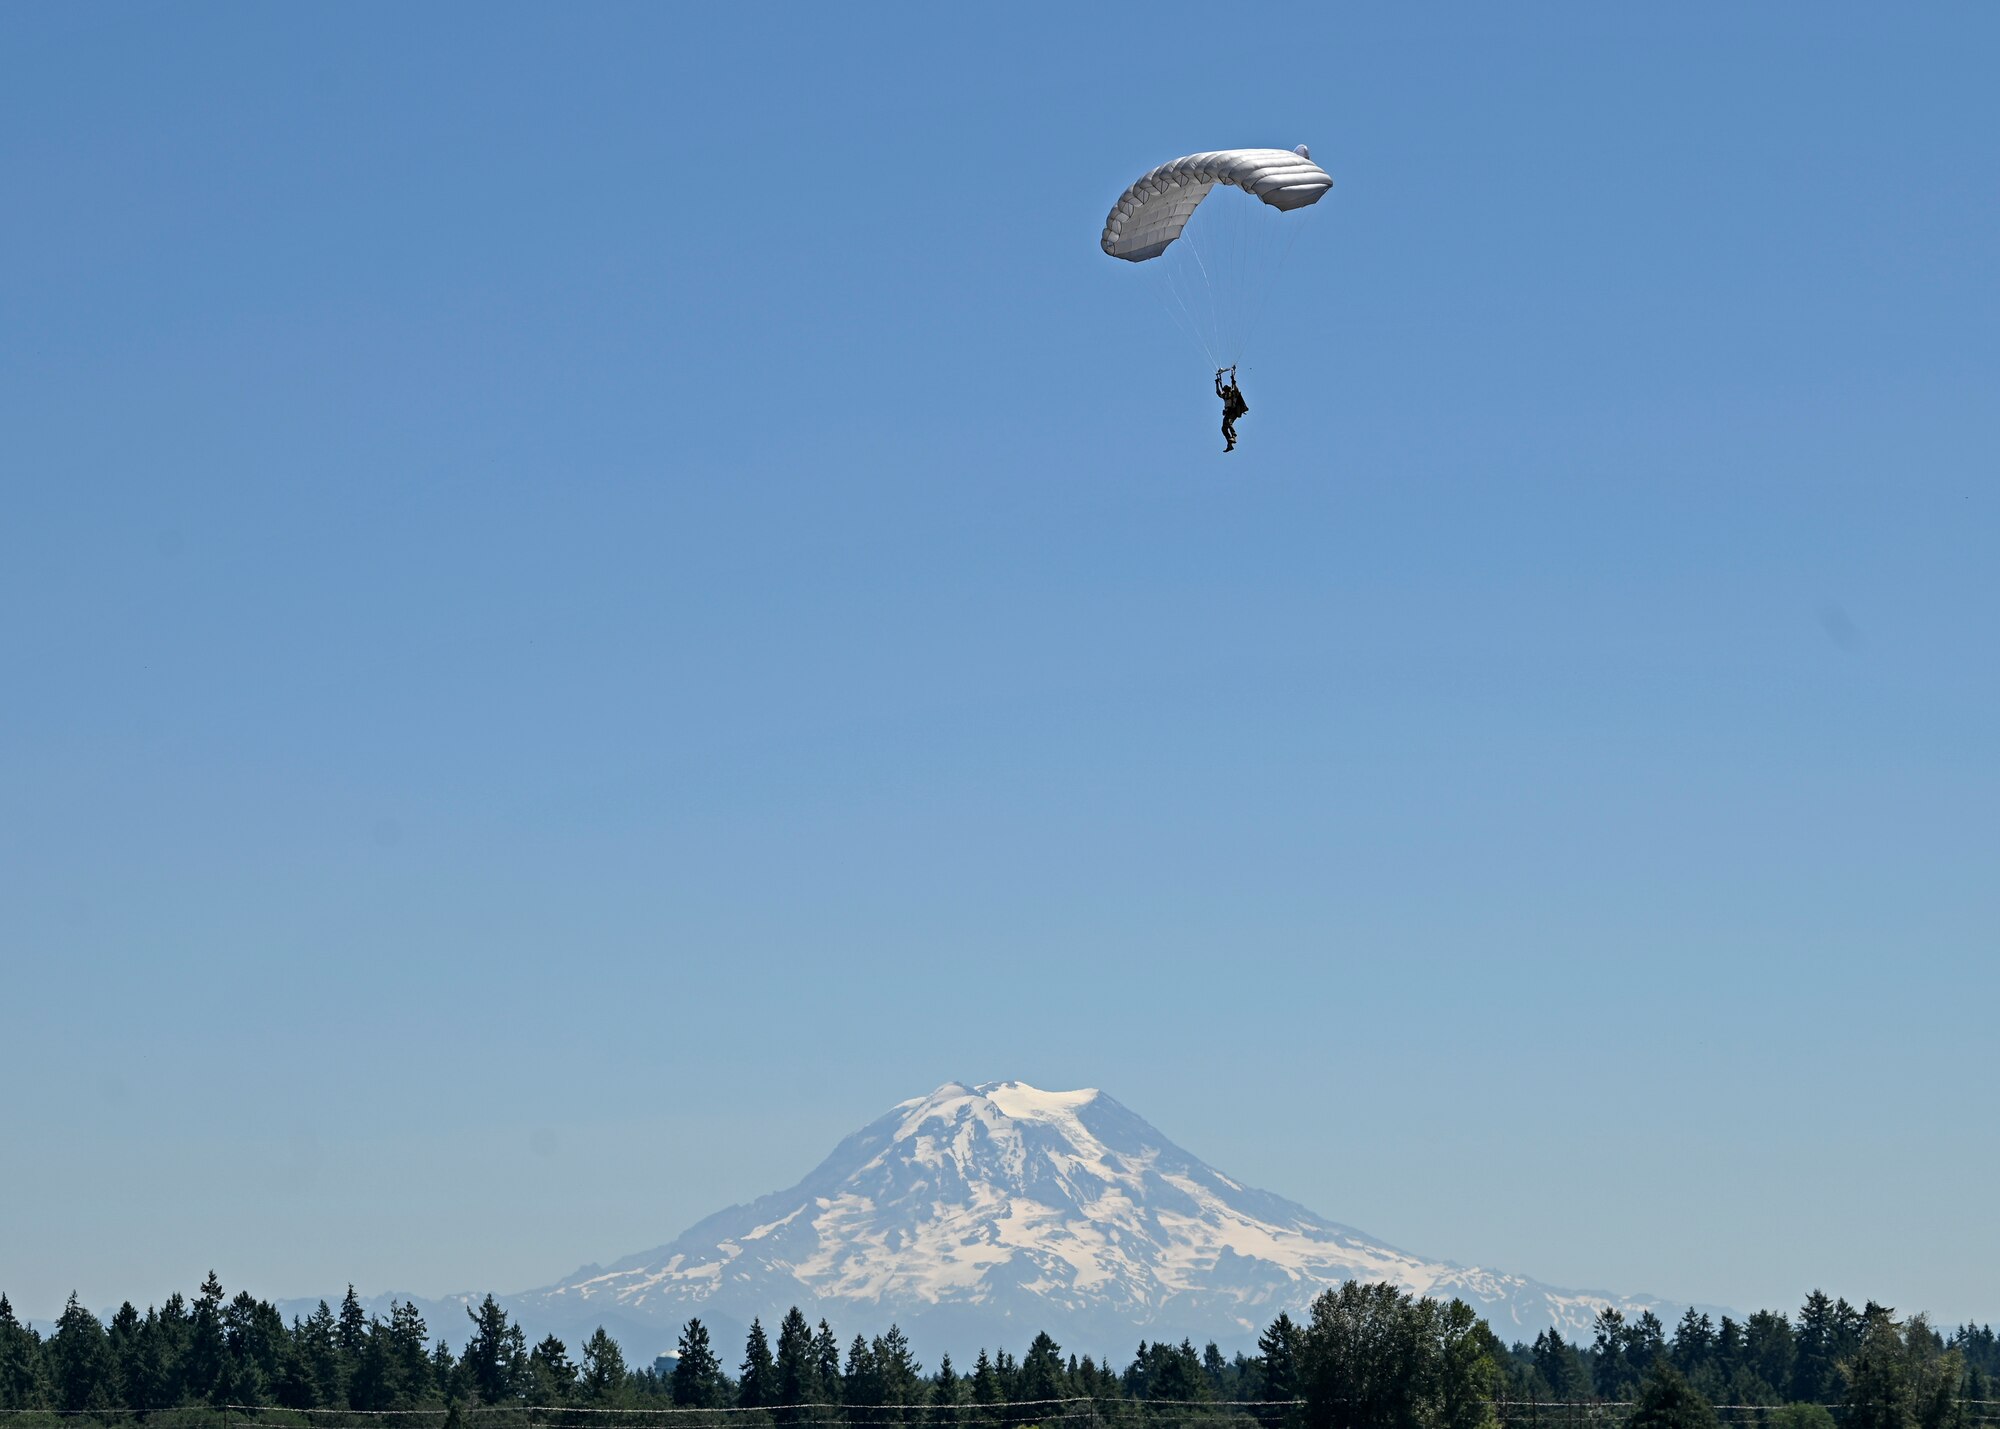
(1813, 1363)
(603, 1380)
(826, 1362)
(796, 1369)
(444, 1373)
(495, 1358)
(947, 1394)
(758, 1385)
(1768, 1352)
(1556, 1362)
(1278, 1371)
(1878, 1392)
(1042, 1373)
(987, 1393)
(353, 1327)
(78, 1359)
(864, 1386)
(318, 1343)
(368, 1386)
(1667, 1401)
(554, 1374)
(409, 1378)
(253, 1337)
(204, 1361)
(899, 1379)
(1694, 1342)
(20, 1362)
(697, 1379)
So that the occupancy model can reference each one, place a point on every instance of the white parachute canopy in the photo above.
(1214, 259)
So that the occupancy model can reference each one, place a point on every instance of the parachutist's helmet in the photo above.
(1303, 152)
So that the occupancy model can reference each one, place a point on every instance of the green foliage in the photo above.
(553, 1374)
(494, 1366)
(1667, 1401)
(698, 1380)
(1377, 1357)
(1878, 1390)
(796, 1371)
(603, 1380)
(1279, 1372)
(759, 1383)
(1368, 1357)
(79, 1362)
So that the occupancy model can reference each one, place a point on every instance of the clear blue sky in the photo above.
(590, 596)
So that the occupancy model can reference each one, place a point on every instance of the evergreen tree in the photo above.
(495, 1359)
(1768, 1352)
(899, 1379)
(864, 1386)
(444, 1372)
(173, 1332)
(21, 1384)
(553, 1373)
(698, 1382)
(205, 1361)
(253, 1337)
(1647, 1343)
(293, 1388)
(317, 1338)
(1557, 1363)
(758, 1386)
(1878, 1393)
(410, 1380)
(1813, 1362)
(826, 1360)
(987, 1394)
(1609, 1365)
(369, 1390)
(1278, 1370)
(1694, 1342)
(796, 1369)
(353, 1327)
(133, 1361)
(1667, 1401)
(947, 1395)
(1729, 1349)
(79, 1361)
(1043, 1375)
(603, 1380)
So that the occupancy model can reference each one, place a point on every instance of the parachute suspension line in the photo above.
(1164, 279)
(1260, 299)
(1165, 287)
(1208, 283)
(1168, 219)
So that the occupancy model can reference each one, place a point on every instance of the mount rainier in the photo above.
(980, 1215)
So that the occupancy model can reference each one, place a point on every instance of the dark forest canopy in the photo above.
(1369, 1356)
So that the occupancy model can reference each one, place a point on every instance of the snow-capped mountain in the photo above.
(979, 1215)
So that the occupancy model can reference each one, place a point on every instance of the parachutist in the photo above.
(1233, 405)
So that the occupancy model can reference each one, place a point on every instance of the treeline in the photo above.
(1367, 1357)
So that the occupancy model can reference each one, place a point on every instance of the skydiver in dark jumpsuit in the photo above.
(1233, 405)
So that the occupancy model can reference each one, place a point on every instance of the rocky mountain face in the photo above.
(980, 1215)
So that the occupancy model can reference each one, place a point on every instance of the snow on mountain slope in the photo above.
(978, 1215)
